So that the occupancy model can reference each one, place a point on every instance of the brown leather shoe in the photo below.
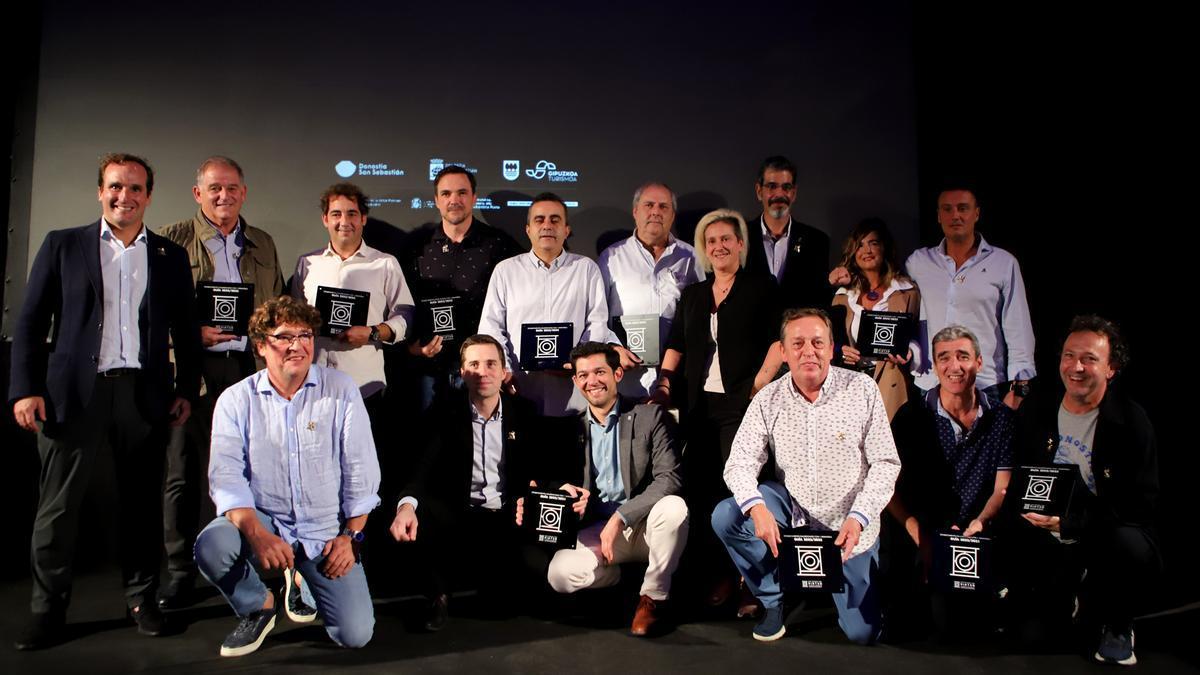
(748, 606)
(648, 613)
(721, 591)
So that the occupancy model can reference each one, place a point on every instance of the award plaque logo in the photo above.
(224, 308)
(964, 562)
(810, 563)
(637, 339)
(885, 335)
(547, 347)
(511, 168)
(550, 518)
(443, 318)
(1039, 488)
(340, 313)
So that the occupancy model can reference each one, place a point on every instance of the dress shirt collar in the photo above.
(439, 234)
(766, 231)
(264, 386)
(106, 233)
(363, 251)
(826, 388)
(636, 243)
(609, 420)
(214, 231)
(933, 400)
(554, 264)
(497, 415)
(984, 247)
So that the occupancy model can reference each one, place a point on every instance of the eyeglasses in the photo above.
(772, 186)
(289, 339)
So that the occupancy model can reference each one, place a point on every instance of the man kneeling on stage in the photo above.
(293, 473)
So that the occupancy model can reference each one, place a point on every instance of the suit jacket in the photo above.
(63, 300)
(747, 324)
(259, 264)
(1124, 460)
(805, 280)
(443, 470)
(648, 448)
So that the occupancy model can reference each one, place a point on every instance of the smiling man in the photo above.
(221, 246)
(827, 430)
(91, 367)
(293, 475)
(631, 470)
(1112, 537)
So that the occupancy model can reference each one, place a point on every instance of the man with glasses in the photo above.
(293, 474)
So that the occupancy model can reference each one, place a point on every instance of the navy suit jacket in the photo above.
(63, 300)
(805, 280)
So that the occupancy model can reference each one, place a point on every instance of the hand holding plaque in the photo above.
(884, 333)
(550, 518)
(1044, 490)
(341, 309)
(225, 306)
(810, 561)
(639, 333)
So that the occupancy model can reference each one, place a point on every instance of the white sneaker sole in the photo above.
(289, 587)
(252, 647)
(1131, 661)
(770, 638)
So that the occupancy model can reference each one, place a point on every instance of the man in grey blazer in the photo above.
(631, 478)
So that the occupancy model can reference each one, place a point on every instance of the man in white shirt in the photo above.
(546, 285)
(645, 274)
(827, 430)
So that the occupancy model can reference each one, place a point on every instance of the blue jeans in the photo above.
(225, 558)
(857, 605)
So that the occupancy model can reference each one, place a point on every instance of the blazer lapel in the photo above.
(89, 250)
(625, 448)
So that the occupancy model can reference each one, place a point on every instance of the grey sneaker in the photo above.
(293, 600)
(770, 627)
(249, 634)
(1116, 647)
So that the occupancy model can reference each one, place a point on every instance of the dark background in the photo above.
(1067, 121)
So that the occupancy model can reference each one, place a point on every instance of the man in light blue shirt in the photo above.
(293, 474)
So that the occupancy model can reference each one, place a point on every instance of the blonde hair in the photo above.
(721, 216)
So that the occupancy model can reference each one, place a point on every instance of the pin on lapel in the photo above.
(445, 248)
(796, 248)
(1107, 474)
(512, 435)
(162, 250)
(312, 426)
(841, 435)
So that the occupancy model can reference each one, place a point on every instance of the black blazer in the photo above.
(805, 280)
(63, 300)
(1124, 459)
(443, 469)
(747, 324)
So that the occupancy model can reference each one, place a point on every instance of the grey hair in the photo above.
(637, 194)
(219, 159)
(950, 333)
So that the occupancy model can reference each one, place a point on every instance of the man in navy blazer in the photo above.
(111, 297)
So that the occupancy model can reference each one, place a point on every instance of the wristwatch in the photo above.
(356, 536)
(1020, 388)
(374, 334)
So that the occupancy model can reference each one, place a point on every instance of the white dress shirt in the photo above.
(636, 283)
(124, 271)
(987, 296)
(391, 302)
(525, 290)
(776, 249)
(835, 456)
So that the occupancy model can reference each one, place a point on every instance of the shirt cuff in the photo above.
(862, 520)
(751, 503)
(352, 508)
(399, 328)
(407, 500)
(227, 500)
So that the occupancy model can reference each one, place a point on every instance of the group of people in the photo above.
(761, 412)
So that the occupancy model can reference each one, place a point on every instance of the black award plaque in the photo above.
(1045, 490)
(224, 305)
(961, 563)
(639, 334)
(550, 519)
(440, 317)
(809, 562)
(884, 333)
(341, 308)
(546, 346)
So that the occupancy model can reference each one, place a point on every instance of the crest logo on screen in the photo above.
(345, 168)
(511, 168)
(416, 202)
(436, 164)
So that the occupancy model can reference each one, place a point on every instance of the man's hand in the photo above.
(29, 411)
(339, 556)
(211, 335)
(765, 527)
(356, 336)
(428, 350)
(612, 529)
(660, 393)
(404, 525)
(840, 276)
(521, 504)
(847, 537)
(581, 497)
(1051, 523)
(271, 551)
(1012, 400)
(850, 355)
(628, 358)
(900, 360)
(181, 410)
(973, 528)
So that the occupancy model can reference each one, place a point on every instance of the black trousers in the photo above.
(113, 427)
(710, 427)
(187, 506)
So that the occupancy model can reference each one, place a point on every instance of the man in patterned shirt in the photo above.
(828, 433)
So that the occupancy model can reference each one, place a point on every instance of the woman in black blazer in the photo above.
(722, 329)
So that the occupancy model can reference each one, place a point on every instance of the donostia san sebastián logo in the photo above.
(551, 172)
(346, 169)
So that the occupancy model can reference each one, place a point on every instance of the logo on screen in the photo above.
(511, 168)
(345, 168)
(885, 335)
(340, 312)
(547, 347)
(637, 339)
(964, 562)
(443, 319)
(436, 164)
(224, 308)
(416, 202)
(540, 169)
(809, 563)
(1039, 488)
(550, 519)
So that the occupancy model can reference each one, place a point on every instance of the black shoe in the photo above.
(249, 634)
(178, 594)
(43, 630)
(149, 619)
(293, 601)
(437, 613)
